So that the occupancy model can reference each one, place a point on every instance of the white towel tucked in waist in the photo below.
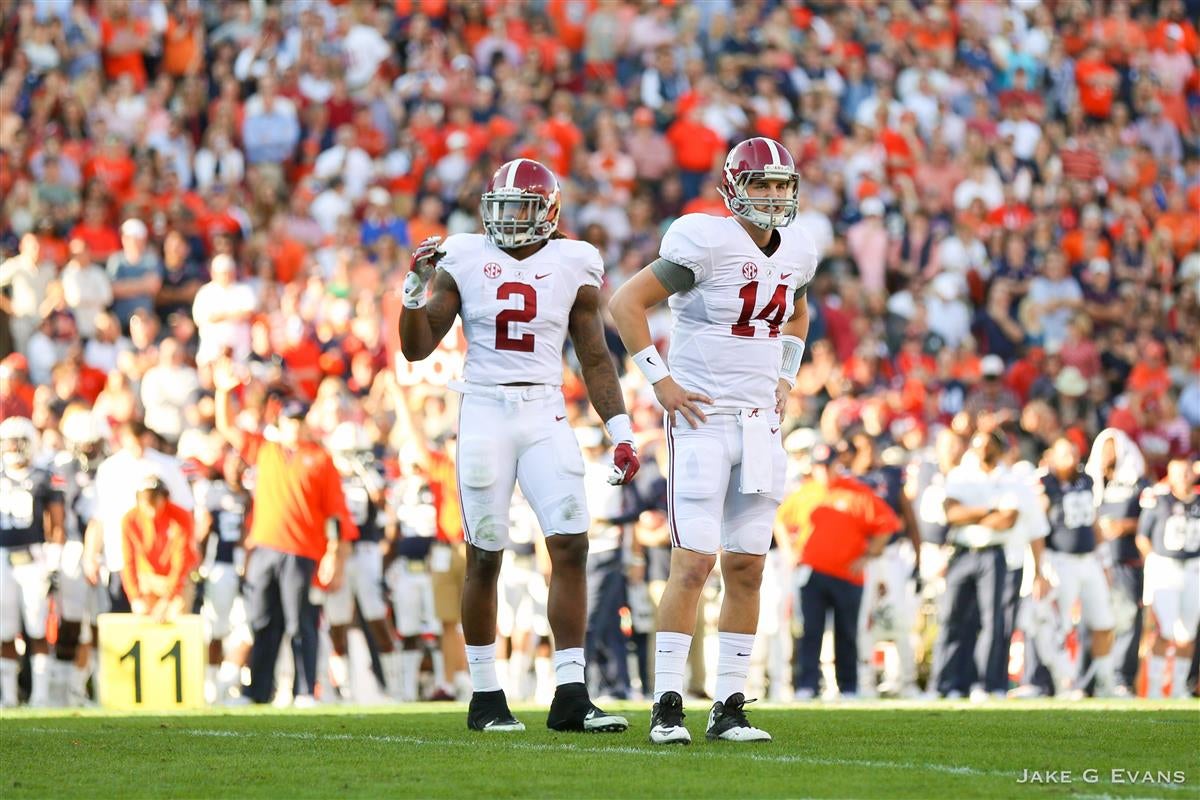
(758, 442)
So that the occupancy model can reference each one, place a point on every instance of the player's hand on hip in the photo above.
(782, 390)
(673, 397)
(625, 464)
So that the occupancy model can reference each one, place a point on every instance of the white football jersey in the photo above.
(515, 313)
(725, 332)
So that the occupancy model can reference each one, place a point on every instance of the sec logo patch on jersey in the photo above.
(749, 270)
(491, 269)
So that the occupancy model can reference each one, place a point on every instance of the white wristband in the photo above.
(793, 351)
(651, 364)
(620, 429)
(414, 290)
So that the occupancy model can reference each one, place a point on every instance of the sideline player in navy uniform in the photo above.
(78, 596)
(889, 590)
(31, 514)
(222, 510)
(1072, 550)
(1118, 471)
(364, 485)
(1169, 536)
(410, 534)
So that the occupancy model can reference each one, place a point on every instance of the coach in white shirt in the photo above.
(983, 502)
(222, 310)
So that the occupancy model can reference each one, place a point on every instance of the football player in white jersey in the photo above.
(737, 292)
(520, 290)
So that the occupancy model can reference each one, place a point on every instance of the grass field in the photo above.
(917, 750)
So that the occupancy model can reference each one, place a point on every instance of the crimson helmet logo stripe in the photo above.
(774, 151)
(513, 168)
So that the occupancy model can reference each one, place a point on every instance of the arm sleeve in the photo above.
(672, 276)
(593, 265)
(687, 244)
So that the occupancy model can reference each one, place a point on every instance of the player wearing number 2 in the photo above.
(1168, 536)
(520, 291)
(737, 292)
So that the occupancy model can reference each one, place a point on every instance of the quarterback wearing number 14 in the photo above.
(519, 289)
(737, 292)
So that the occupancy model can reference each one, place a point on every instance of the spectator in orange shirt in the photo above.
(1097, 83)
(297, 495)
(1150, 377)
(156, 538)
(836, 523)
(696, 150)
(16, 393)
(1180, 223)
(124, 39)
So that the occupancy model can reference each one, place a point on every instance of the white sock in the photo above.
(228, 674)
(8, 681)
(733, 663)
(1103, 667)
(339, 672)
(77, 682)
(568, 666)
(410, 675)
(40, 684)
(60, 681)
(439, 669)
(503, 676)
(670, 656)
(518, 672)
(1179, 676)
(390, 662)
(481, 661)
(541, 673)
(1156, 675)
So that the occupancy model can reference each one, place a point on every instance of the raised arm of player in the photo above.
(629, 307)
(424, 322)
(600, 374)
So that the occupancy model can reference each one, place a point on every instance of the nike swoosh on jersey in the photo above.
(774, 430)
(785, 276)
(539, 277)
(559, 419)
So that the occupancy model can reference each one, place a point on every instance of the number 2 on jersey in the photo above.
(777, 305)
(523, 344)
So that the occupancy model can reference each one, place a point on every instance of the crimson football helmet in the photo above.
(520, 205)
(755, 159)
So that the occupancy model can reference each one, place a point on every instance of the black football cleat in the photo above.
(489, 713)
(666, 721)
(727, 721)
(573, 710)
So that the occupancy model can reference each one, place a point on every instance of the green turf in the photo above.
(945, 750)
